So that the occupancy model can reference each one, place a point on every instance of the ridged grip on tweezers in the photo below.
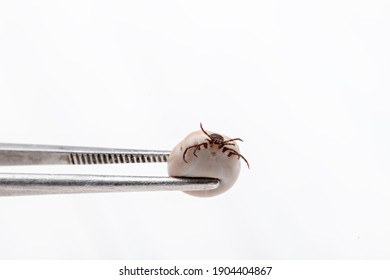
(107, 158)
(21, 154)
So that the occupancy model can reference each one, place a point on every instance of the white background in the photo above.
(304, 83)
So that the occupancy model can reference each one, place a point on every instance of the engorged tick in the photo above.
(216, 139)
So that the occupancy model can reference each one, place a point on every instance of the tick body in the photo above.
(207, 154)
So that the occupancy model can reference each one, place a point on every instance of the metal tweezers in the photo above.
(15, 184)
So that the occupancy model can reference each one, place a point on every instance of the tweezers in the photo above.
(15, 184)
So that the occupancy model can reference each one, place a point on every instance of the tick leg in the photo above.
(233, 152)
(227, 149)
(185, 151)
(198, 148)
(225, 144)
(195, 150)
(234, 139)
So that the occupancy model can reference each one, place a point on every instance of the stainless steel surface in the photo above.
(22, 154)
(13, 184)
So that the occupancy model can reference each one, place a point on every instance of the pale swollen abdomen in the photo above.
(204, 158)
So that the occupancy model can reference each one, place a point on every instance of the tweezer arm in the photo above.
(13, 184)
(22, 154)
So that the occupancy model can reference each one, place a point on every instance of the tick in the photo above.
(207, 154)
(217, 140)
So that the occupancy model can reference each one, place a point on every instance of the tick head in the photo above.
(216, 139)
